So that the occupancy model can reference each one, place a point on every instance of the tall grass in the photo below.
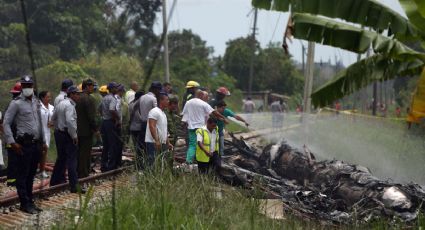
(168, 201)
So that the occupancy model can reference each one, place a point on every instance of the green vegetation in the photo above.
(188, 201)
(184, 201)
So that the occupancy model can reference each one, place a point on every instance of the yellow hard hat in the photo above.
(80, 87)
(103, 89)
(191, 84)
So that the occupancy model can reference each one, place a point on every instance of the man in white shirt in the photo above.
(62, 94)
(129, 95)
(195, 114)
(146, 103)
(156, 132)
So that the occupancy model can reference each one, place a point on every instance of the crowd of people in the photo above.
(79, 118)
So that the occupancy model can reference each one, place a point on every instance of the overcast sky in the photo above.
(218, 21)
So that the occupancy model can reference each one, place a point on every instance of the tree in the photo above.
(277, 72)
(186, 44)
(237, 58)
(132, 24)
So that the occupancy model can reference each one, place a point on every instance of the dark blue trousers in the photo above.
(112, 146)
(26, 166)
(67, 159)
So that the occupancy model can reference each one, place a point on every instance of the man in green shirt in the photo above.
(221, 108)
(86, 127)
(173, 123)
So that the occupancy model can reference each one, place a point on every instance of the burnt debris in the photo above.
(326, 190)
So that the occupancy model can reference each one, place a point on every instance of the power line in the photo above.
(275, 28)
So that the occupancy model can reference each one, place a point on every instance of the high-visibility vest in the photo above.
(201, 156)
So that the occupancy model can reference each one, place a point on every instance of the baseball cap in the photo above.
(156, 84)
(66, 83)
(27, 79)
(73, 89)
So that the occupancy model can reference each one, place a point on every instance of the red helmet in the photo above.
(224, 91)
(17, 88)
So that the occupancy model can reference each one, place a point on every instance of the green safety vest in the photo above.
(201, 156)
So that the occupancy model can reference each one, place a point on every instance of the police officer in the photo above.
(109, 119)
(62, 94)
(28, 142)
(116, 109)
(65, 122)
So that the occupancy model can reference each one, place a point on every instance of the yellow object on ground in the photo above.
(417, 108)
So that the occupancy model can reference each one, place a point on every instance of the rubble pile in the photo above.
(327, 190)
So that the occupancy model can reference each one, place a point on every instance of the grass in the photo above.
(169, 201)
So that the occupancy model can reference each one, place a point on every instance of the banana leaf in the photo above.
(361, 74)
(369, 13)
(329, 32)
(421, 7)
(417, 107)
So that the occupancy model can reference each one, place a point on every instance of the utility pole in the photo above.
(165, 29)
(308, 84)
(375, 95)
(302, 58)
(253, 44)
(356, 94)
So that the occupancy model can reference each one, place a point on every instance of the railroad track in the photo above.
(53, 199)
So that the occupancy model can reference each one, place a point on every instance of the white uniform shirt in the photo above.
(196, 112)
(46, 116)
(65, 117)
(161, 126)
(61, 96)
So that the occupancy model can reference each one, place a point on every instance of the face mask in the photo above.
(27, 92)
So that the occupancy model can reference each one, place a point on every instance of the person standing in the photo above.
(248, 106)
(66, 137)
(173, 124)
(221, 108)
(136, 127)
(11, 155)
(62, 94)
(195, 114)
(173, 119)
(86, 127)
(207, 146)
(220, 95)
(46, 112)
(148, 102)
(191, 88)
(277, 114)
(116, 109)
(168, 88)
(156, 133)
(129, 95)
(27, 143)
(110, 125)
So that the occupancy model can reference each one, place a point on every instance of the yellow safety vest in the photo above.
(201, 156)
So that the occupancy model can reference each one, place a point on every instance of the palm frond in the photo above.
(361, 74)
(348, 37)
(369, 13)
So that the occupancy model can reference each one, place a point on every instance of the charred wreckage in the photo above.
(329, 190)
